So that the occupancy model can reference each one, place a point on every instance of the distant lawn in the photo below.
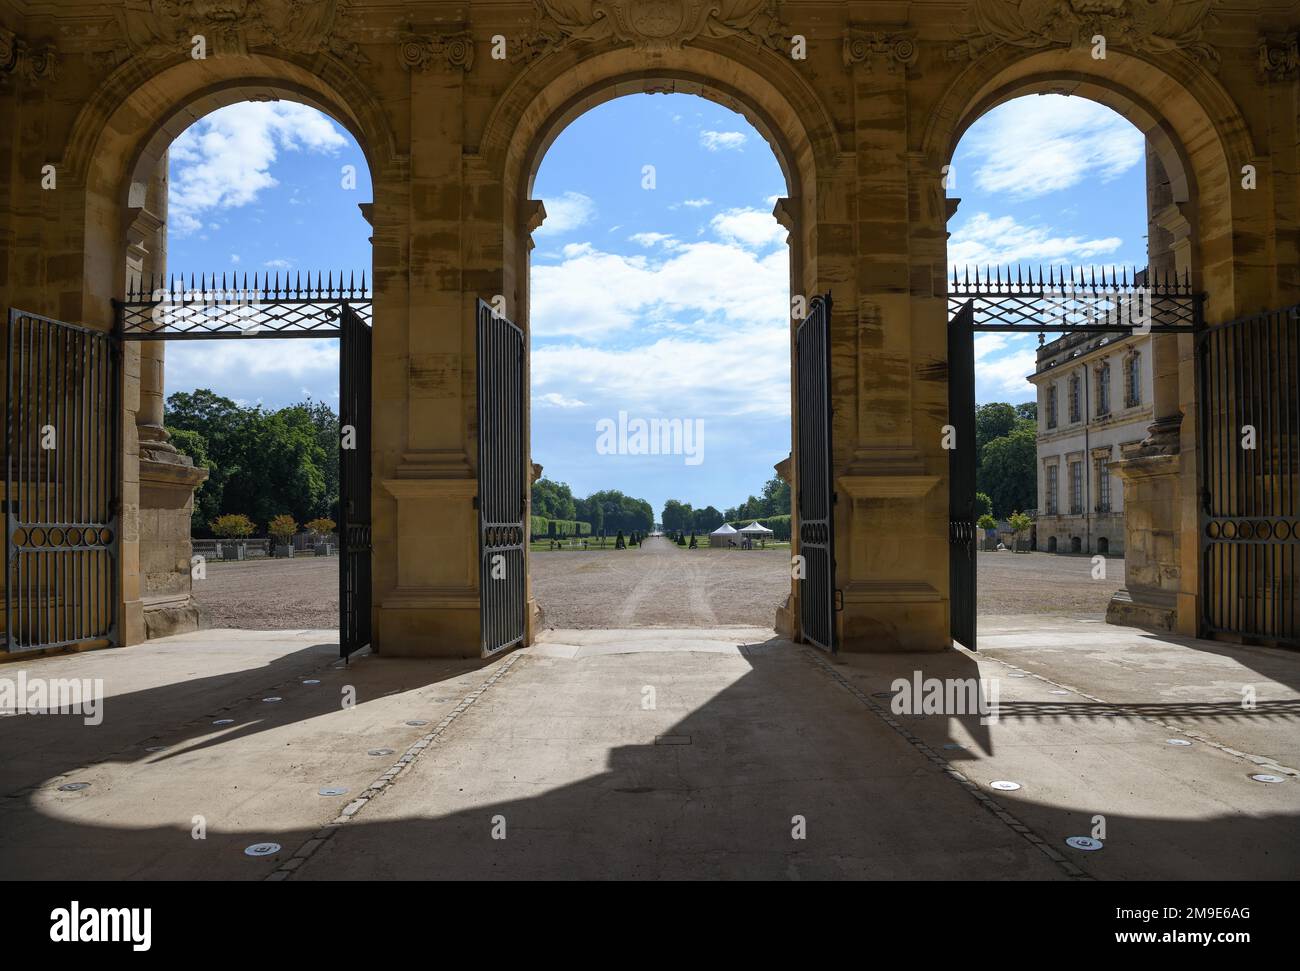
(544, 546)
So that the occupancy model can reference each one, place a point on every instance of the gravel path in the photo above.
(658, 585)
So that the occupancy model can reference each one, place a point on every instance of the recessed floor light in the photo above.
(1270, 779)
(417, 722)
(1083, 843)
(262, 849)
(74, 786)
(224, 721)
(1177, 741)
(312, 681)
(1005, 786)
(380, 751)
(273, 698)
(332, 790)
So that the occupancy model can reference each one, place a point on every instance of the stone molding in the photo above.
(866, 46)
(1148, 26)
(420, 52)
(17, 57)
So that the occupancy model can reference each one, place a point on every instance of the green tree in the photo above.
(207, 497)
(992, 420)
(554, 500)
(1007, 470)
(983, 504)
(677, 515)
(706, 520)
(1027, 410)
(776, 497)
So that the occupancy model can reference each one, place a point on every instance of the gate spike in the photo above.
(363, 282)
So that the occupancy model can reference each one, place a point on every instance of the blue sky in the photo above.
(666, 302)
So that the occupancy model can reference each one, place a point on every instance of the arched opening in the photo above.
(659, 301)
(540, 105)
(1051, 544)
(1103, 545)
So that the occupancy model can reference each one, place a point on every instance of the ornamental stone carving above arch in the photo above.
(652, 25)
(1153, 26)
(158, 28)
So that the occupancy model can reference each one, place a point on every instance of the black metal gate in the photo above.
(62, 455)
(502, 486)
(816, 490)
(1249, 372)
(354, 482)
(961, 475)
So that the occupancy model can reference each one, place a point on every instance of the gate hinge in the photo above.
(838, 599)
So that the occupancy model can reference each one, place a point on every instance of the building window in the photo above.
(1103, 487)
(1052, 488)
(1076, 488)
(1051, 406)
(1103, 390)
(1133, 381)
(1075, 399)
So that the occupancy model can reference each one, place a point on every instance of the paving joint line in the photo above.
(1261, 761)
(139, 744)
(1070, 869)
(386, 779)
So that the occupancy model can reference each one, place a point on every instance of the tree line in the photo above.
(1006, 456)
(606, 512)
(681, 517)
(262, 463)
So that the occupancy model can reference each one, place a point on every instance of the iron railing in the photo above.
(208, 308)
(1075, 299)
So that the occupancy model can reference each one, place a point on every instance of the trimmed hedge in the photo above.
(779, 525)
(562, 528)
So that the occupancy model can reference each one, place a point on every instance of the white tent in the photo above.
(756, 530)
(724, 535)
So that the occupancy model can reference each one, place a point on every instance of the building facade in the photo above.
(1094, 402)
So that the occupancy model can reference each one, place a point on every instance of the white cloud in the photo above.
(278, 264)
(224, 160)
(557, 400)
(651, 239)
(566, 213)
(214, 364)
(696, 203)
(717, 141)
(1032, 146)
(988, 240)
(749, 227)
(1002, 364)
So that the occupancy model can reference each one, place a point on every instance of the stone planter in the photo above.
(282, 551)
(233, 549)
(322, 549)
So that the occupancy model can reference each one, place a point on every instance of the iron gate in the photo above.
(961, 475)
(62, 466)
(502, 488)
(816, 491)
(354, 482)
(1249, 371)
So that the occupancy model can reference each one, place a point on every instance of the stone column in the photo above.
(166, 478)
(890, 335)
(1159, 474)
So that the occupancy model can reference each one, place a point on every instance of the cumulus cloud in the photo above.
(749, 227)
(566, 213)
(556, 400)
(1002, 365)
(719, 141)
(985, 239)
(1032, 146)
(224, 159)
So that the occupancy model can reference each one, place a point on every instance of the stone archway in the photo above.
(117, 157)
(1196, 139)
(535, 111)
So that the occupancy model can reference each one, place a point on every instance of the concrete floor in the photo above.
(557, 748)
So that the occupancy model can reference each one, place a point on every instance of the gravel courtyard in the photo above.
(658, 585)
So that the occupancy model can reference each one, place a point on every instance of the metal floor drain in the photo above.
(1083, 843)
(1004, 785)
(74, 786)
(262, 849)
(672, 740)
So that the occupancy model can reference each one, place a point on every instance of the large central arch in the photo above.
(542, 102)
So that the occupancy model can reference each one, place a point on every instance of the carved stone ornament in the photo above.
(33, 64)
(1153, 26)
(868, 46)
(1279, 58)
(652, 25)
(158, 28)
(417, 52)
